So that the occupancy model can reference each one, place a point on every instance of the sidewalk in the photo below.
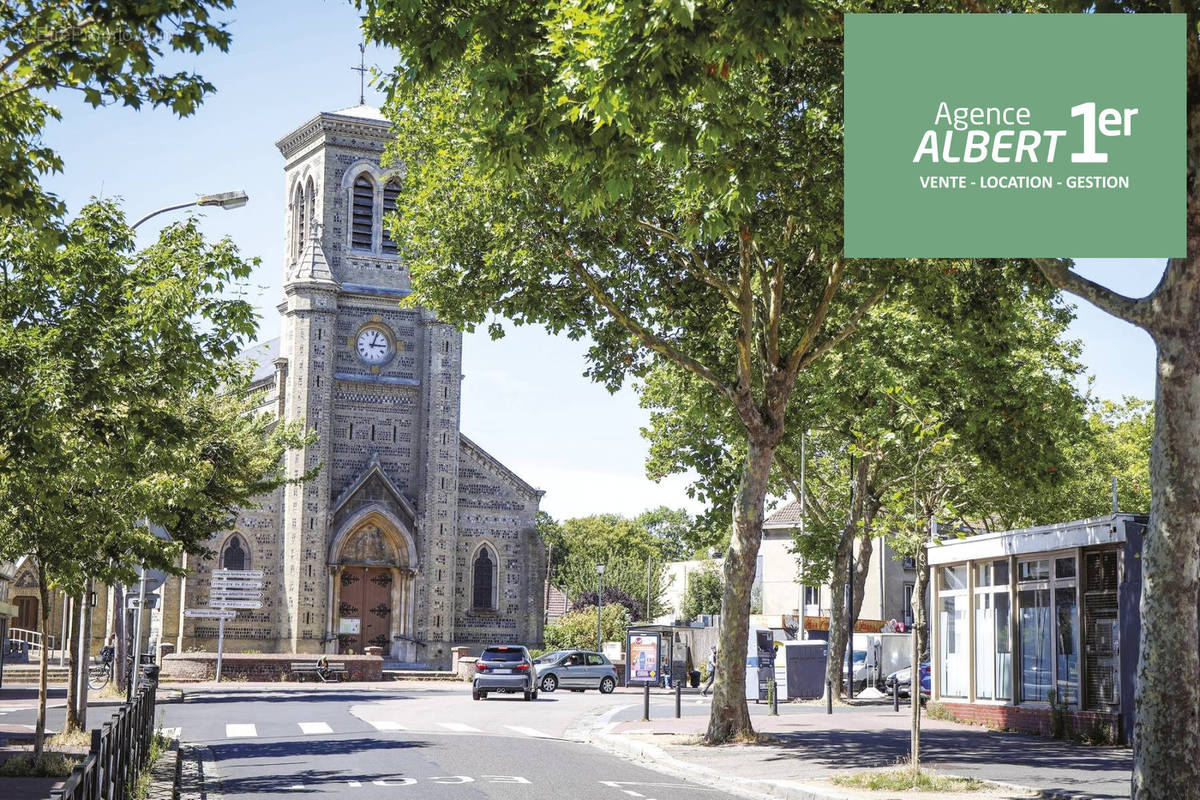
(808, 747)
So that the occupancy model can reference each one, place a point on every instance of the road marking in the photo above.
(172, 733)
(534, 732)
(296, 786)
(632, 793)
(386, 725)
(236, 731)
(310, 728)
(459, 727)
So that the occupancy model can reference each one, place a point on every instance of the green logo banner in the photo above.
(1015, 136)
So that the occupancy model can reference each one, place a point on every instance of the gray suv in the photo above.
(504, 668)
(576, 670)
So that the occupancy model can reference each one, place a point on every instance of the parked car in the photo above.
(576, 670)
(903, 679)
(504, 668)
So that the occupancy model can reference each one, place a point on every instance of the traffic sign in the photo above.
(237, 603)
(133, 602)
(238, 584)
(210, 613)
(235, 595)
(239, 574)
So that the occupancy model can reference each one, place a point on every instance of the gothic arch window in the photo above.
(390, 190)
(310, 206)
(234, 555)
(299, 218)
(362, 212)
(483, 580)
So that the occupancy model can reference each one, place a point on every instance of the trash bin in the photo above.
(695, 676)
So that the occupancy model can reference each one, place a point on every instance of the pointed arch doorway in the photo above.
(371, 577)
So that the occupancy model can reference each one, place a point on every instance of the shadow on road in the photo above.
(233, 752)
(1061, 766)
(269, 696)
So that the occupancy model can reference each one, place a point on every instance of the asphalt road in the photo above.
(419, 742)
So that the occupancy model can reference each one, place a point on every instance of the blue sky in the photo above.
(524, 397)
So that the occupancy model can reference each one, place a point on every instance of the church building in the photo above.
(411, 538)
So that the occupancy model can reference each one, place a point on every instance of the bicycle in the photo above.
(101, 672)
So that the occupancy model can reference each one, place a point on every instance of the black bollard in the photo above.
(828, 697)
(895, 695)
(678, 700)
(645, 702)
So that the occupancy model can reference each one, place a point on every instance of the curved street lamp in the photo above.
(225, 200)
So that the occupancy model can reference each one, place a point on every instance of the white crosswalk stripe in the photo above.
(310, 728)
(240, 730)
(459, 727)
(535, 733)
(386, 725)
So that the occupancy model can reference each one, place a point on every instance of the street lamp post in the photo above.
(599, 606)
(225, 200)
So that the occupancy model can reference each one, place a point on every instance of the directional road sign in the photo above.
(237, 603)
(211, 613)
(238, 584)
(216, 597)
(132, 601)
(239, 574)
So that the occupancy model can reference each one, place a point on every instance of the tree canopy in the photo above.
(110, 51)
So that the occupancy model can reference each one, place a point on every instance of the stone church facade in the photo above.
(411, 538)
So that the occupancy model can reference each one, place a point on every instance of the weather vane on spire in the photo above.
(361, 69)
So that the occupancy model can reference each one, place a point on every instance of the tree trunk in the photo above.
(1167, 696)
(39, 732)
(730, 717)
(118, 618)
(71, 646)
(918, 648)
(85, 652)
(838, 635)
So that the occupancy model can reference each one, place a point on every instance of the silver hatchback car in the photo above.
(504, 668)
(576, 670)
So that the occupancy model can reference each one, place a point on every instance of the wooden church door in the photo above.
(365, 609)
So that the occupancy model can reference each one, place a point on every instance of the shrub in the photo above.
(576, 630)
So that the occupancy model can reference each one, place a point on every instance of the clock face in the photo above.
(373, 345)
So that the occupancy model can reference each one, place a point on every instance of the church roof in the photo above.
(361, 111)
(503, 470)
(262, 356)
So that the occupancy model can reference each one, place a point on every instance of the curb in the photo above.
(198, 779)
(654, 757)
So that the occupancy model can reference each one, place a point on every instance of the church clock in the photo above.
(374, 345)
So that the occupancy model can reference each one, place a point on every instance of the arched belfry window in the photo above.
(362, 212)
(299, 221)
(390, 190)
(234, 554)
(483, 580)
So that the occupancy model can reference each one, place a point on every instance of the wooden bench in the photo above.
(332, 671)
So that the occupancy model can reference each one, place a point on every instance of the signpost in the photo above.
(230, 589)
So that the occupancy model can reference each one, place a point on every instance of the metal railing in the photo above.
(120, 750)
(31, 638)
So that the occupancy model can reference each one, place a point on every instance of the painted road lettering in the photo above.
(443, 780)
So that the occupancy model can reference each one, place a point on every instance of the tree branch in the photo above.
(1136, 311)
(697, 264)
(850, 327)
(647, 338)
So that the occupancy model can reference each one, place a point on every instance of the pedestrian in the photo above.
(712, 671)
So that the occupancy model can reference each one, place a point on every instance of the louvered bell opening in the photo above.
(390, 191)
(362, 214)
(1102, 650)
(300, 227)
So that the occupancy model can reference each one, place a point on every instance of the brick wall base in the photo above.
(1028, 719)
(260, 667)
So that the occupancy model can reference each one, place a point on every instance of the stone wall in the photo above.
(259, 667)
